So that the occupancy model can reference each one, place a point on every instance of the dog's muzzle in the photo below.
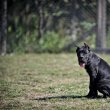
(82, 63)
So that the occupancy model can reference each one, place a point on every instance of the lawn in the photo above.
(46, 82)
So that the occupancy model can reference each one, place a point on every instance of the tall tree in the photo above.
(101, 24)
(40, 8)
(3, 26)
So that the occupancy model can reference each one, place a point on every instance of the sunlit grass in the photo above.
(26, 78)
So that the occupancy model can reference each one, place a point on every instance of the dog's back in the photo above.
(103, 68)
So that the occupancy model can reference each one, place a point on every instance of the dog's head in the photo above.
(83, 54)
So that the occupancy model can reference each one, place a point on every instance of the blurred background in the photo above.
(35, 26)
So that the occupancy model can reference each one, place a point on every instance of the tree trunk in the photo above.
(39, 5)
(41, 22)
(3, 25)
(101, 25)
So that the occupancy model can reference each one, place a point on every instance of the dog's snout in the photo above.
(81, 56)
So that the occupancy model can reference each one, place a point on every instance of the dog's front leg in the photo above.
(92, 87)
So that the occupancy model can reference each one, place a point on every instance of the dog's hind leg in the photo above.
(105, 91)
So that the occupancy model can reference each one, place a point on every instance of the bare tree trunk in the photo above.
(101, 25)
(41, 22)
(3, 25)
(39, 5)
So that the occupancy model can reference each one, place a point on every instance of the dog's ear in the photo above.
(77, 49)
(87, 46)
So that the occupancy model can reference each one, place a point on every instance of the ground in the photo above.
(46, 82)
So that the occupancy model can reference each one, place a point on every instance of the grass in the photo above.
(46, 82)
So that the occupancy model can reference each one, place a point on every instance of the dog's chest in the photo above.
(91, 70)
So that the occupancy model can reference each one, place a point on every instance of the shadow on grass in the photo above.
(65, 97)
(59, 97)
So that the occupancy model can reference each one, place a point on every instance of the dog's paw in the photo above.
(91, 96)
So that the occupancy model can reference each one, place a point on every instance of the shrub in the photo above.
(52, 42)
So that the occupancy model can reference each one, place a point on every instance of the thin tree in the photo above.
(3, 26)
(40, 12)
(101, 25)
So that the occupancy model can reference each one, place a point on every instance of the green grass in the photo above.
(46, 82)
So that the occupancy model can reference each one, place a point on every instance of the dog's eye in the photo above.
(85, 52)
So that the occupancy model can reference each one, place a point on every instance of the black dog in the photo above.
(98, 70)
